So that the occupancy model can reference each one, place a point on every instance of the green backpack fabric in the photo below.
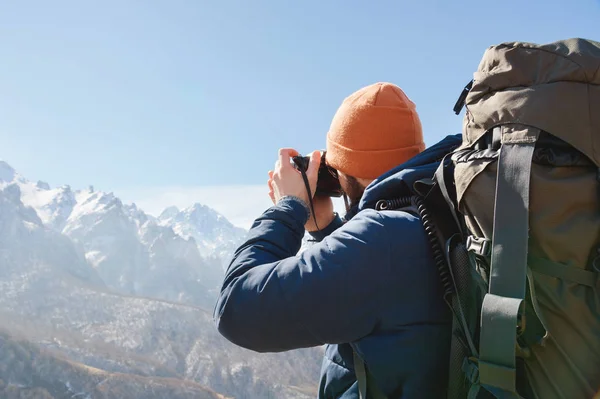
(524, 187)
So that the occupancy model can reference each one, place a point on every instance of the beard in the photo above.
(353, 191)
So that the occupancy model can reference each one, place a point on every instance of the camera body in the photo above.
(328, 184)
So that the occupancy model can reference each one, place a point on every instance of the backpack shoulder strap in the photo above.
(362, 378)
(361, 375)
(507, 289)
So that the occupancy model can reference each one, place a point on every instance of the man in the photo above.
(370, 287)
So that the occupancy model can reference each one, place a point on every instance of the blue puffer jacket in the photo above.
(369, 284)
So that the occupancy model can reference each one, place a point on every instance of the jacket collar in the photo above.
(399, 181)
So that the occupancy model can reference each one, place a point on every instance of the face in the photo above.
(352, 187)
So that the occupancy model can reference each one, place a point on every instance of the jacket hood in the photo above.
(399, 181)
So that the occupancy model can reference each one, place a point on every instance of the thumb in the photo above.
(312, 173)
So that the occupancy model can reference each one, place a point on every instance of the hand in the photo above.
(323, 208)
(286, 179)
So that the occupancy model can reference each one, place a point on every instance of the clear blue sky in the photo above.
(148, 93)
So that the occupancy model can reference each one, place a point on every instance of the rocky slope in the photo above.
(28, 371)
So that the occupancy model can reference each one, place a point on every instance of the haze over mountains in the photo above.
(100, 300)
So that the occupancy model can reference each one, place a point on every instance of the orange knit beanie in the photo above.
(374, 130)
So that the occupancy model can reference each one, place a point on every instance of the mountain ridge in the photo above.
(121, 242)
(54, 295)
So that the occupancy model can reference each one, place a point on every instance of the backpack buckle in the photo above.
(480, 246)
(460, 103)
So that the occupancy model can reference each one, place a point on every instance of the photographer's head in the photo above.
(374, 130)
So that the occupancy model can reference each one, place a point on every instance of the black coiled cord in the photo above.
(395, 203)
(439, 255)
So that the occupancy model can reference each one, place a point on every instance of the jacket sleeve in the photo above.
(318, 236)
(272, 300)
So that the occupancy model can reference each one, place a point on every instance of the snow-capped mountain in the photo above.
(178, 258)
(53, 206)
(214, 234)
(101, 292)
(25, 240)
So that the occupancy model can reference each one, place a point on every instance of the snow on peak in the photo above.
(213, 233)
(53, 206)
(69, 211)
(138, 216)
(203, 214)
(199, 218)
(90, 206)
(169, 213)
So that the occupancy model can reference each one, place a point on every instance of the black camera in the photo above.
(328, 184)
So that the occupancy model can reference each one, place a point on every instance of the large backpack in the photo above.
(524, 256)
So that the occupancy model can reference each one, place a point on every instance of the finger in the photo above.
(270, 174)
(284, 157)
(315, 162)
(272, 196)
(312, 172)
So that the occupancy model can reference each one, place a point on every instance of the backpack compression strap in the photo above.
(507, 289)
